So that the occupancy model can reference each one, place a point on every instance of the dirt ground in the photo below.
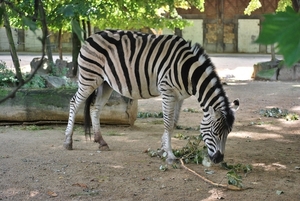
(35, 166)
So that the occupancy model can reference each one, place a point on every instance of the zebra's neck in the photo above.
(208, 89)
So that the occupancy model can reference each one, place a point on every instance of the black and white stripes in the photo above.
(140, 65)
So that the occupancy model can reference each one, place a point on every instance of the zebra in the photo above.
(141, 66)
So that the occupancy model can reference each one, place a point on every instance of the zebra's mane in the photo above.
(199, 51)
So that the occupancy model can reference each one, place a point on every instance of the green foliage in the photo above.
(256, 4)
(191, 110)
(30, 24)
(192, 152)
(2, 10)
(232, 175)
(252, 6)
(36, 82)
(36, 127)
(187, 128)
(279, 113)
(7, 76)
(149, 115)
(283, 4)
(77, 29)
(281, 29)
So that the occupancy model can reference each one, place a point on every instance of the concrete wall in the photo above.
(31, 43)
(193, 33)
(4, 45)
(248, 31)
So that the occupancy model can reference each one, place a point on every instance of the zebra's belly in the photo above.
(138, 92)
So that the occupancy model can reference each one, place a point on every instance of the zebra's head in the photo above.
(215, 127)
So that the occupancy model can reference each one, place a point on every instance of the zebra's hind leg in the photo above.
(103, 93)
(79, 97)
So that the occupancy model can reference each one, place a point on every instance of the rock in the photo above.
(61, 67)
(289, 73)
(271, 71)
(54, 82)
(44, 69)
(64, 68)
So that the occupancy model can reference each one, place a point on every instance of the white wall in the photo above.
(31, 40)
(193, 33)
(248, 30)
(4, 44)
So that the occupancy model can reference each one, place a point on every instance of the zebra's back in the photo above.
(132, 63)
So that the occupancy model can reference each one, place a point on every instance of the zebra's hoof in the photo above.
(171, 161)
(68, 146)
(104, 148)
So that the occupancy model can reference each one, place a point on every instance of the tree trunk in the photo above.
(12, 46)
(273, 57)
(48, 44)
(178, 32)
(75, 51)
(59, 43)
(84, 28)
(296, 5)
(89, 26)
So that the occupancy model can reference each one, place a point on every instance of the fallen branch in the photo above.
(228, 187)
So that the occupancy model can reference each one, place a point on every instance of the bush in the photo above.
(7, 76)
(36, 82)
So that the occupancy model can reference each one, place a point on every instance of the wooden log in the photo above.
(31, 105)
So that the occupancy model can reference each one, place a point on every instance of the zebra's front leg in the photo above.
(103, 93)
(168, 105)
(177, 112)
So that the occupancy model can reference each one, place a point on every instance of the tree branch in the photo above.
(43, 41)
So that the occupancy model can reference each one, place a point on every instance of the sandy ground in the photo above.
(35, 166)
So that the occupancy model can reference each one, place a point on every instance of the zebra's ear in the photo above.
(214, 114)
(235, 105)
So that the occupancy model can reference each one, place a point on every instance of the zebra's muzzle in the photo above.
(217, 157)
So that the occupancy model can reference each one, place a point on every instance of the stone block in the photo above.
(52, 105)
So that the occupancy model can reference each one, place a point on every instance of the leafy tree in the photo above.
(281, 29)
(40, 16)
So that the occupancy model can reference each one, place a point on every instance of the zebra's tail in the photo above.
(87, 115)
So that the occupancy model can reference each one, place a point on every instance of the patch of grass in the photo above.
(191, 110)
(188, 128)
(150, 115)
(233, 174)
(157, 122)
(36, 127)
(260, 123)
(192, 152)
(113, 133)
(279, 113)
(180, 136)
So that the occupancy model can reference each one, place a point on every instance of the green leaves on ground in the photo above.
(279, 113)
(192, 152)
(150, 114)
(282, 29)
(232, 175)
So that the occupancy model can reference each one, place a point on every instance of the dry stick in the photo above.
(228, 187)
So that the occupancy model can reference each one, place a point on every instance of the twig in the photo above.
(228, 187)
